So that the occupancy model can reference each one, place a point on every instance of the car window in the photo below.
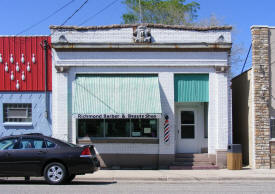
(8, 144)
(32, 143)
(50, 144)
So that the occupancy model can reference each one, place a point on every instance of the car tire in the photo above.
(70, 178)
(55, 173)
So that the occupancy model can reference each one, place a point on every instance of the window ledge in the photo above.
(272, 140)
(119, 140)
(17, 124)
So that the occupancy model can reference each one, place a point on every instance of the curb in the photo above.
(167, 179)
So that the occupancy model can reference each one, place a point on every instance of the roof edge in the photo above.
(237, 76)
(114, 26)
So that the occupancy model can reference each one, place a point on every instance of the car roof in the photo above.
(38, 135)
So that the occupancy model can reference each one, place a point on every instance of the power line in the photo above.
(74, 13)
(44, 19)
(106, 7)
(246, 57)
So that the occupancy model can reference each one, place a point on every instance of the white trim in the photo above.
(18, 124)
(139, 62)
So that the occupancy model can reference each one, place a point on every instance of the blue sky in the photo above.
(16, 15)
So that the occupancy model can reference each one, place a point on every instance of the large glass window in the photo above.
(117, 128)
(17, 112)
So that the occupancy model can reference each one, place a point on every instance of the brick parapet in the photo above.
(261, 69)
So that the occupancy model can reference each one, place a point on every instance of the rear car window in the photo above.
(8, 144)
(32, 144)
(50, 144)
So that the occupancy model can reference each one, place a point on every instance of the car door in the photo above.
(29, 156)
(7, 148)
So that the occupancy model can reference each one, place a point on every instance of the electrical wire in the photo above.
(44, 19)
(100, 11)
(246, 57)
(74, 13)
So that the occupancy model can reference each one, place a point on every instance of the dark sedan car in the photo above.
(38, 155)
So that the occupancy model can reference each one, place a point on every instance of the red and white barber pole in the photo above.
(166, 129)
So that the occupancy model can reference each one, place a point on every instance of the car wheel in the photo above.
(55, 173)
(70, 178)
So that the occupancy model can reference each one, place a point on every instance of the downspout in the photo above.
(46, 74)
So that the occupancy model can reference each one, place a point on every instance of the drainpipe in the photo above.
(46, 65)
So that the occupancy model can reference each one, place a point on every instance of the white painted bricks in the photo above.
(125, 35)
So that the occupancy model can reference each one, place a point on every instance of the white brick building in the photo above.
(114, 85)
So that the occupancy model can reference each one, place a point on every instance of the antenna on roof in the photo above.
(140, 14)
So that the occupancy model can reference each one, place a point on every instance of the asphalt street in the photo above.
(108, 187)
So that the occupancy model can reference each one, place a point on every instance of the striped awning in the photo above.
(116, 94)
(191, 88)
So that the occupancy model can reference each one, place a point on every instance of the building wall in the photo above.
(40, 124)
(272, 72)
(242, 126)
(64, 126)
(261, 95)
(112, 50)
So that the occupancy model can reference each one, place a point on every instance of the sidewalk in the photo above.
(179, 175)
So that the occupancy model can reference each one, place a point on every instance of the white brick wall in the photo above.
(125, 35)
(166, 80)
(212, 113)
(223, 112)
(60, 104)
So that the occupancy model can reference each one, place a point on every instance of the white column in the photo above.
(59, 104)
(166, 81)
(212, 113)
(223, 111)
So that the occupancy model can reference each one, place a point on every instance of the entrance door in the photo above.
(188, 137)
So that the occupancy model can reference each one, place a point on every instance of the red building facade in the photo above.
(25, 99)
(22, 64)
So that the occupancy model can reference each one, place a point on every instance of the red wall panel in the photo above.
(28, 46)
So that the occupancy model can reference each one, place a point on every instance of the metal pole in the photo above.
(46, 74)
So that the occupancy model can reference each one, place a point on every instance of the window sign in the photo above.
(117, 116)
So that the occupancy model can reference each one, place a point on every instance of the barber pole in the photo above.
(166, 129)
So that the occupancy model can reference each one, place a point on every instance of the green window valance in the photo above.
(191, 87)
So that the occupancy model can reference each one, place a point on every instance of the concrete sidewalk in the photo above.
(179, 175)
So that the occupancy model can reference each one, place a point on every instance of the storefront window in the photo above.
(90, 128)
(144, 128)
(117, 128)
